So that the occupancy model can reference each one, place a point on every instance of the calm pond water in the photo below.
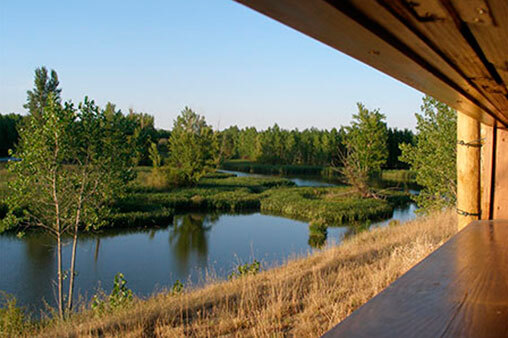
(193, 247)
(319, 181)
(300, 181)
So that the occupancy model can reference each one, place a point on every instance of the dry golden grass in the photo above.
(304, 298)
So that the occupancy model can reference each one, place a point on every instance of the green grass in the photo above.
(398, 175)
(215, 192)
(141, 219)
(329, 206)
(145, 206)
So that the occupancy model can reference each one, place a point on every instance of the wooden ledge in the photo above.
(460, 290)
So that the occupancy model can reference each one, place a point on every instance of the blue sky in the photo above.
(227, 62)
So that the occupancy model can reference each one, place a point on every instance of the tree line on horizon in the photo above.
(274, 145)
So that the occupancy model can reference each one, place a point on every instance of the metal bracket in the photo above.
(465, 213)
(473, 143)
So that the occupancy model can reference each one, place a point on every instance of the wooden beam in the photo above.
(460, 290)
(468, 169)
(435, 53)
(500, 183)
(488, 135)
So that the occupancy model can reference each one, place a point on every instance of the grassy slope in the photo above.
(304, 297)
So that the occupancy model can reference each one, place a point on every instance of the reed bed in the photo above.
(330, 206)
(274, 169)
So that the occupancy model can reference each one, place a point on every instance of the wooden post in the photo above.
(468, 169)
(488, 159)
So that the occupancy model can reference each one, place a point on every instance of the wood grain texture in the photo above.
(487, 135)
(460, 290)
(453, 50)
(468, 170)
(500, 207)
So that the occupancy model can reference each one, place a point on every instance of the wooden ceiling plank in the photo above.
(450, 40)
(320, 20)
(445, 35)
(475, 12)
(414, 41)
(493, 39)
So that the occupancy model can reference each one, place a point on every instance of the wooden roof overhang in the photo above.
(453, 50)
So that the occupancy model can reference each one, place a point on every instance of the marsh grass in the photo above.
(149, 204)
(330, 206)
(303, 298)
(398, 175)
(275, 169)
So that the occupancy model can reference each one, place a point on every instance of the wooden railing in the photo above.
(460, 290)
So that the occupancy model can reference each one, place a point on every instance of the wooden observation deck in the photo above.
(454, 292)
(457, 52)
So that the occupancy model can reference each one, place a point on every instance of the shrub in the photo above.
(177, 288)
(246, 269)
(13, 321)
(158, 179)
(120, 297)
(394, 223)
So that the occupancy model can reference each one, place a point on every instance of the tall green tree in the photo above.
(366, 148)
(433, 157)
(191, 148)
(74, 164)
(44, 85)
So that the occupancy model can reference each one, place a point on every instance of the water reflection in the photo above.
(153, 258)
(40, 265)
(188, 237)
(317, 236)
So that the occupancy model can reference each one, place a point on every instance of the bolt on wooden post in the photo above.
(468, 169)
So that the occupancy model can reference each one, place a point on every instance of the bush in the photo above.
(13, 321)
(158, 179)
(120, 297)
(246, 269)
(177, 288)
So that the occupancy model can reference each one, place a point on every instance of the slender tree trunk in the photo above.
(73, 264)
(60, 277)
(59, 231)
(74, 247)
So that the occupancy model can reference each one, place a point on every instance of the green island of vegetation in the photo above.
(330, 206)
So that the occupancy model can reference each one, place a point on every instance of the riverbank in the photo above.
(305, 297)
(219, 192)
(146, 206)
(395, 175)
